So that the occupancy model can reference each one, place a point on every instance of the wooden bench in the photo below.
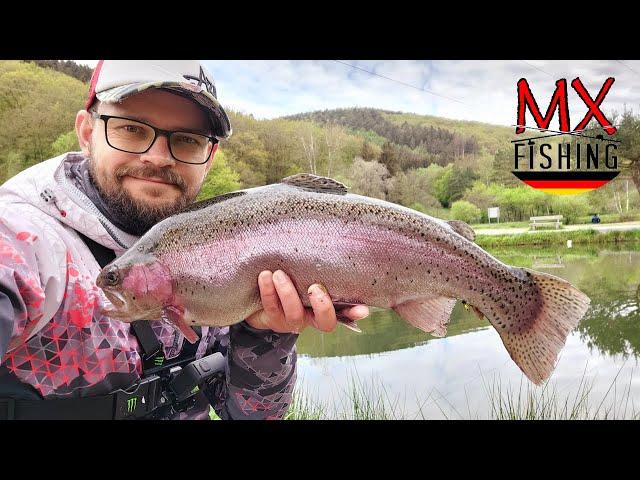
(549, 220)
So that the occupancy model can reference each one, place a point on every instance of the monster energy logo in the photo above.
(158, 361)
(132, 403)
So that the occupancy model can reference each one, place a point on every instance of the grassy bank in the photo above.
(604, 218)
(372, 401)
(578, 237)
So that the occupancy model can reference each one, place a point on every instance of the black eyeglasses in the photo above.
(134, 136)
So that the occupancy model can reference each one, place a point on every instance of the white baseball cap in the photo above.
(114, 80)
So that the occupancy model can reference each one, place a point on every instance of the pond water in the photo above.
(457, 376)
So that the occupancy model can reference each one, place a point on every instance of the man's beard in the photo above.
(133, 215)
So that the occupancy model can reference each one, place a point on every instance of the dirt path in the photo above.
(601, 227)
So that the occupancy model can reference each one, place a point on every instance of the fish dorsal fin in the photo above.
(315, 183)
(210, 201)
(463, 229)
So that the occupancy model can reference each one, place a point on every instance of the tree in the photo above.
(451, 185)
(465, 211)
(66, 142)
(389, 158)
(307, 138)
(629, 135)
(37, 105)
(412, 187)
(220, 179)
(246, 153)
(369, 178)
(370, 151)
(334, 138)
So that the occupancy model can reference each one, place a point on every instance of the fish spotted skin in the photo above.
(364, 250)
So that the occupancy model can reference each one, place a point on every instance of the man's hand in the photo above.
(283, 311)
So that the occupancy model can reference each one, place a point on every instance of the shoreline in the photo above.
(578, 237)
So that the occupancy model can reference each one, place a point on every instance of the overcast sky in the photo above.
(477, 90)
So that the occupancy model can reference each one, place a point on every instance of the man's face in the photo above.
(145, 187)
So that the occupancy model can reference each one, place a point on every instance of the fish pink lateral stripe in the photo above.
(363, 250)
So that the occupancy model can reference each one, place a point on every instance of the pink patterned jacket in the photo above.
(54, 343)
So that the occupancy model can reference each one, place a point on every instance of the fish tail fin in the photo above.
(535, 339)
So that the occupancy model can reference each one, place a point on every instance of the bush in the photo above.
(571, 207)
(66, 142)
(220, 179)
(465, 211)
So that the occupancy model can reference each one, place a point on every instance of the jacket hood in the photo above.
(47, 186)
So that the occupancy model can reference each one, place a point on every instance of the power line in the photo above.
(398, 81)
(634, 71)
(539, 69)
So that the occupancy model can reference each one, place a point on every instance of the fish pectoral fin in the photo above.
(343, 319)
(343, 305)
(315, 183)
(462, 228)
(350, 324)
(340, 316)
(430, 314)
(175, 317)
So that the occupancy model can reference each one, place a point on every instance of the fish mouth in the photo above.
(121, 309)
(118, 301)
(116, 298)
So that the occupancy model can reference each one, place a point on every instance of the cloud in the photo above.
(477, 90)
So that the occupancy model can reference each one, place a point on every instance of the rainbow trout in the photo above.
(200, 267)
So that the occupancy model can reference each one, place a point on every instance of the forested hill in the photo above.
(443, 167)
(435, 135)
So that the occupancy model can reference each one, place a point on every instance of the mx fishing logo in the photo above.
(565, 161)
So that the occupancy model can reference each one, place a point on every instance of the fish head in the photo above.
(138, 289)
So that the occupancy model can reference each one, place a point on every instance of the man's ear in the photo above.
(84, 130)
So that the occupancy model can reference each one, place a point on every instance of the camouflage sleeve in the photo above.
(11, 306)
(260, 375)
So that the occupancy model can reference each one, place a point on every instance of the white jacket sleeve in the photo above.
(33, 274)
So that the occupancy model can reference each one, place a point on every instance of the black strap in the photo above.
(140, 401)
(151, 346)
(87, 408)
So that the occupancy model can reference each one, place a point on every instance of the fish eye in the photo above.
(111, 278)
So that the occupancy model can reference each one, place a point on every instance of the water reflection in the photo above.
(444, 376)
(611, 278)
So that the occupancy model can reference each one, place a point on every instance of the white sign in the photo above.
(494, 212)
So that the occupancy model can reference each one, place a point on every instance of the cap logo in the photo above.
(202, 81)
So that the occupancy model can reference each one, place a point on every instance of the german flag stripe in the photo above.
(582, 184)
(565, 191)
(556, 175)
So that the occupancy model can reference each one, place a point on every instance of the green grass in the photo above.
(359, 401)
(494, 224)
(604, 219)
(612, 218)
(372, 401)
(548, 403)
(578, 237)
